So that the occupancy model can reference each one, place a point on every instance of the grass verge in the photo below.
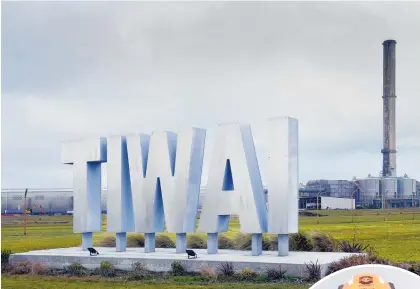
(48, 282)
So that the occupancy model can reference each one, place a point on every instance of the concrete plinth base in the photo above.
(149, 242)
(87, 241)
(283, 244)
(181, 242)
(256, 244)
(162, 259)
(212, 243)
(121, 242)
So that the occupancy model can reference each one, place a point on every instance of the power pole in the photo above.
(317, 204)
(414, 205)
(24, 213)
(353, 204)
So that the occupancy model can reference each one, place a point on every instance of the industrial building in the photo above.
(41, 201)
(313, 192)
(370, 192)
(38, 201)
(386, 190)
(337, 203)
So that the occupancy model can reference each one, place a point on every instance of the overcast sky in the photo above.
(77, 69)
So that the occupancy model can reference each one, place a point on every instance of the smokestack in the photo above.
(389, 149)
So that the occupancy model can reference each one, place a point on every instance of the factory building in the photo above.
(333, 203)
(314, 191)
(371, 192)
(387, 190)
(41, 201)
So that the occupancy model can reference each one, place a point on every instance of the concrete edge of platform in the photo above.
(56, 261)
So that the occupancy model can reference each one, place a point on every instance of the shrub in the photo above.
(375, 259)
(310, 214)
(405, 266)
(5, 254)
(225, 242)
(177, 269)
(164, 241)
(107, 241)
(354, 260)
(226, 269)
(323, 242)
(353, 246)
(246, 274)
(346, 246)
(106, 269)
(135, 240)
(18, 268)
(313, 270)
(196, 242)
(38, 268)
(415, 268)
(53, 272)
(138, 272)
(347, 262)
(208, 273)
(275, 273)
(266, 243)
(26, 267)
(243, 241)
(272, 243)
(75, 269)
(300, 242)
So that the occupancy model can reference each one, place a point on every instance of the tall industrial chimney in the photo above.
(389, 149)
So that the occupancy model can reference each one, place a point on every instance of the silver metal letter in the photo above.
(120, 218)
(138, 150)
(119, 203)
(86, 157)
(282, 176)
(165, 180)
(234, 184)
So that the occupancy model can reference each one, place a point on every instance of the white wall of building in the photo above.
(337, 203)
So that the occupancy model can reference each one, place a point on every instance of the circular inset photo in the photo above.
(371, 276)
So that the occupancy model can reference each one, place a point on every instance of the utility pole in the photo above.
(24, 213)
(414, 205)
(384, 200)
(353, 205)
(317, 204)
(412, 202)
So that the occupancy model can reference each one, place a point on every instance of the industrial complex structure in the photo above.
(369, 192)
(383, 191)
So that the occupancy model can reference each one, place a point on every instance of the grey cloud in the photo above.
(78, 69)
(45, 45)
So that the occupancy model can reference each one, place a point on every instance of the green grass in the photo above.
(395, 234)
(46, 282)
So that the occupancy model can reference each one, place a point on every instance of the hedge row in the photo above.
(224, 272)
(314, 241)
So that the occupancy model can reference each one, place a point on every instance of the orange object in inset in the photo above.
(367, 281)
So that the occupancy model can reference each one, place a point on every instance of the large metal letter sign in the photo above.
(234, 159)
(282, 180)
(120, 217)
(86, 157)
(171, 186)
(154, 180)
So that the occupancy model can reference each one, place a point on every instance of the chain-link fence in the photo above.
(38, 201)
